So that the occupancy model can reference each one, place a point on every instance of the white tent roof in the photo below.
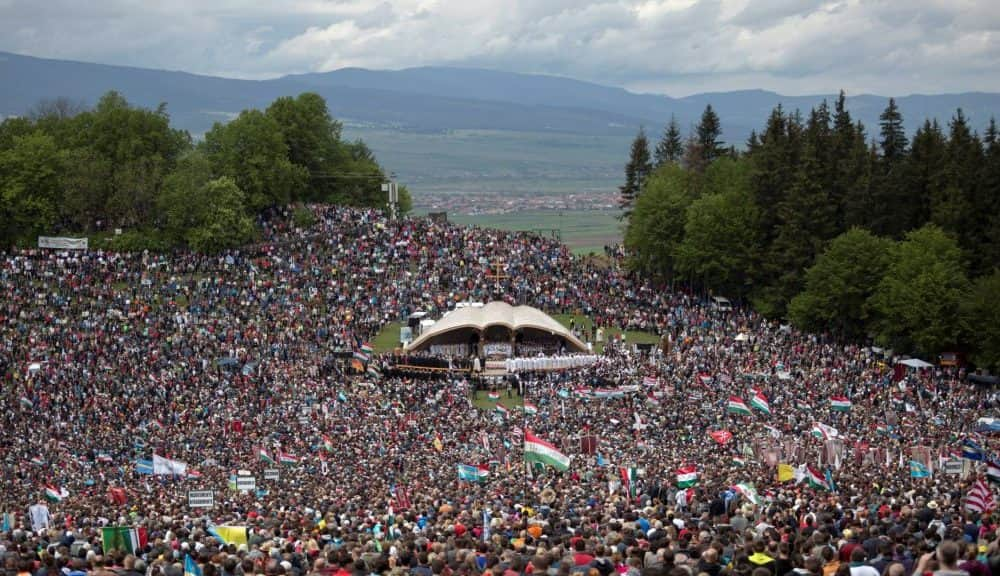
(497, 314)
(916, 363)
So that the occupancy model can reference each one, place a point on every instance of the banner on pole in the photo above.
(60, 243)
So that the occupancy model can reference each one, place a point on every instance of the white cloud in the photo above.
(673, 46)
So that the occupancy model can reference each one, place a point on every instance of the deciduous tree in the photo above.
(840, 283)
(921, 292)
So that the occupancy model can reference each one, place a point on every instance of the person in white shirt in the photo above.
(858, 565)
(40, 517)
(681, 499)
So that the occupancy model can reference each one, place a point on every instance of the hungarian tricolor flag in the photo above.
(687, 476)
(824, 432)
(327, 443)
(816, 479)
(748, 491)
(499, 409)
(540, 451)
(759, 401)
(840, 403)
(264, 457)
(629, 476)
(494, 395)
(285, 458)
(530, 409)
(55, 494)
(125, 538)
(736, 405)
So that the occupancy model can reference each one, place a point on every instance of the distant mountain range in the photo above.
(460, 129)
(439, 99)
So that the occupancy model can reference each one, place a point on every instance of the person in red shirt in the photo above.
(581, 557)
(846, 549)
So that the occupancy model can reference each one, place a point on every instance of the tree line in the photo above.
(888, 238)
(65, 169)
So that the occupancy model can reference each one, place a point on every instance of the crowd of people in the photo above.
(247, 361)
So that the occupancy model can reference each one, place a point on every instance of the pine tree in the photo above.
(770, 174)
(693, 159)
(955, 211)
(858, 205)
(671, 147)
(776, 175)
(893, 140)
(890, 191)
(925, 174)
(819, 136)
(843, 167)
(636, 172)
(806, 217)
(709, 131)
(988, 199)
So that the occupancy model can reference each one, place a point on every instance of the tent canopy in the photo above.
(495, 317)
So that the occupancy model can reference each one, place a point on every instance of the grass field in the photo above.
(584, 231)
(483, 402)
(584, 322)
(387, 339)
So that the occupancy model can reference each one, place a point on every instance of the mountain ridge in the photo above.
(460, 129)
(443, 98)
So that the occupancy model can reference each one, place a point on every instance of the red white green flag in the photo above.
(816, 479)
(736, 405)
(840, 403)
(538, 450)
(687, 476)
(759, 401)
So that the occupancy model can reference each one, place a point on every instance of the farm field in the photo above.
(584, 231)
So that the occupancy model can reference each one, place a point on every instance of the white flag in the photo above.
(800, 473)
(167, 467)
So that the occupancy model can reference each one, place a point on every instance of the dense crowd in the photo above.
(107, 359)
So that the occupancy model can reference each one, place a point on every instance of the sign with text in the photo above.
(201, 498)
(271, 474)
(246, 483)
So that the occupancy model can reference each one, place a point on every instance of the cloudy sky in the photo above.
(677, 47)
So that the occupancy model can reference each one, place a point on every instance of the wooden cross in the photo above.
(496, 273)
